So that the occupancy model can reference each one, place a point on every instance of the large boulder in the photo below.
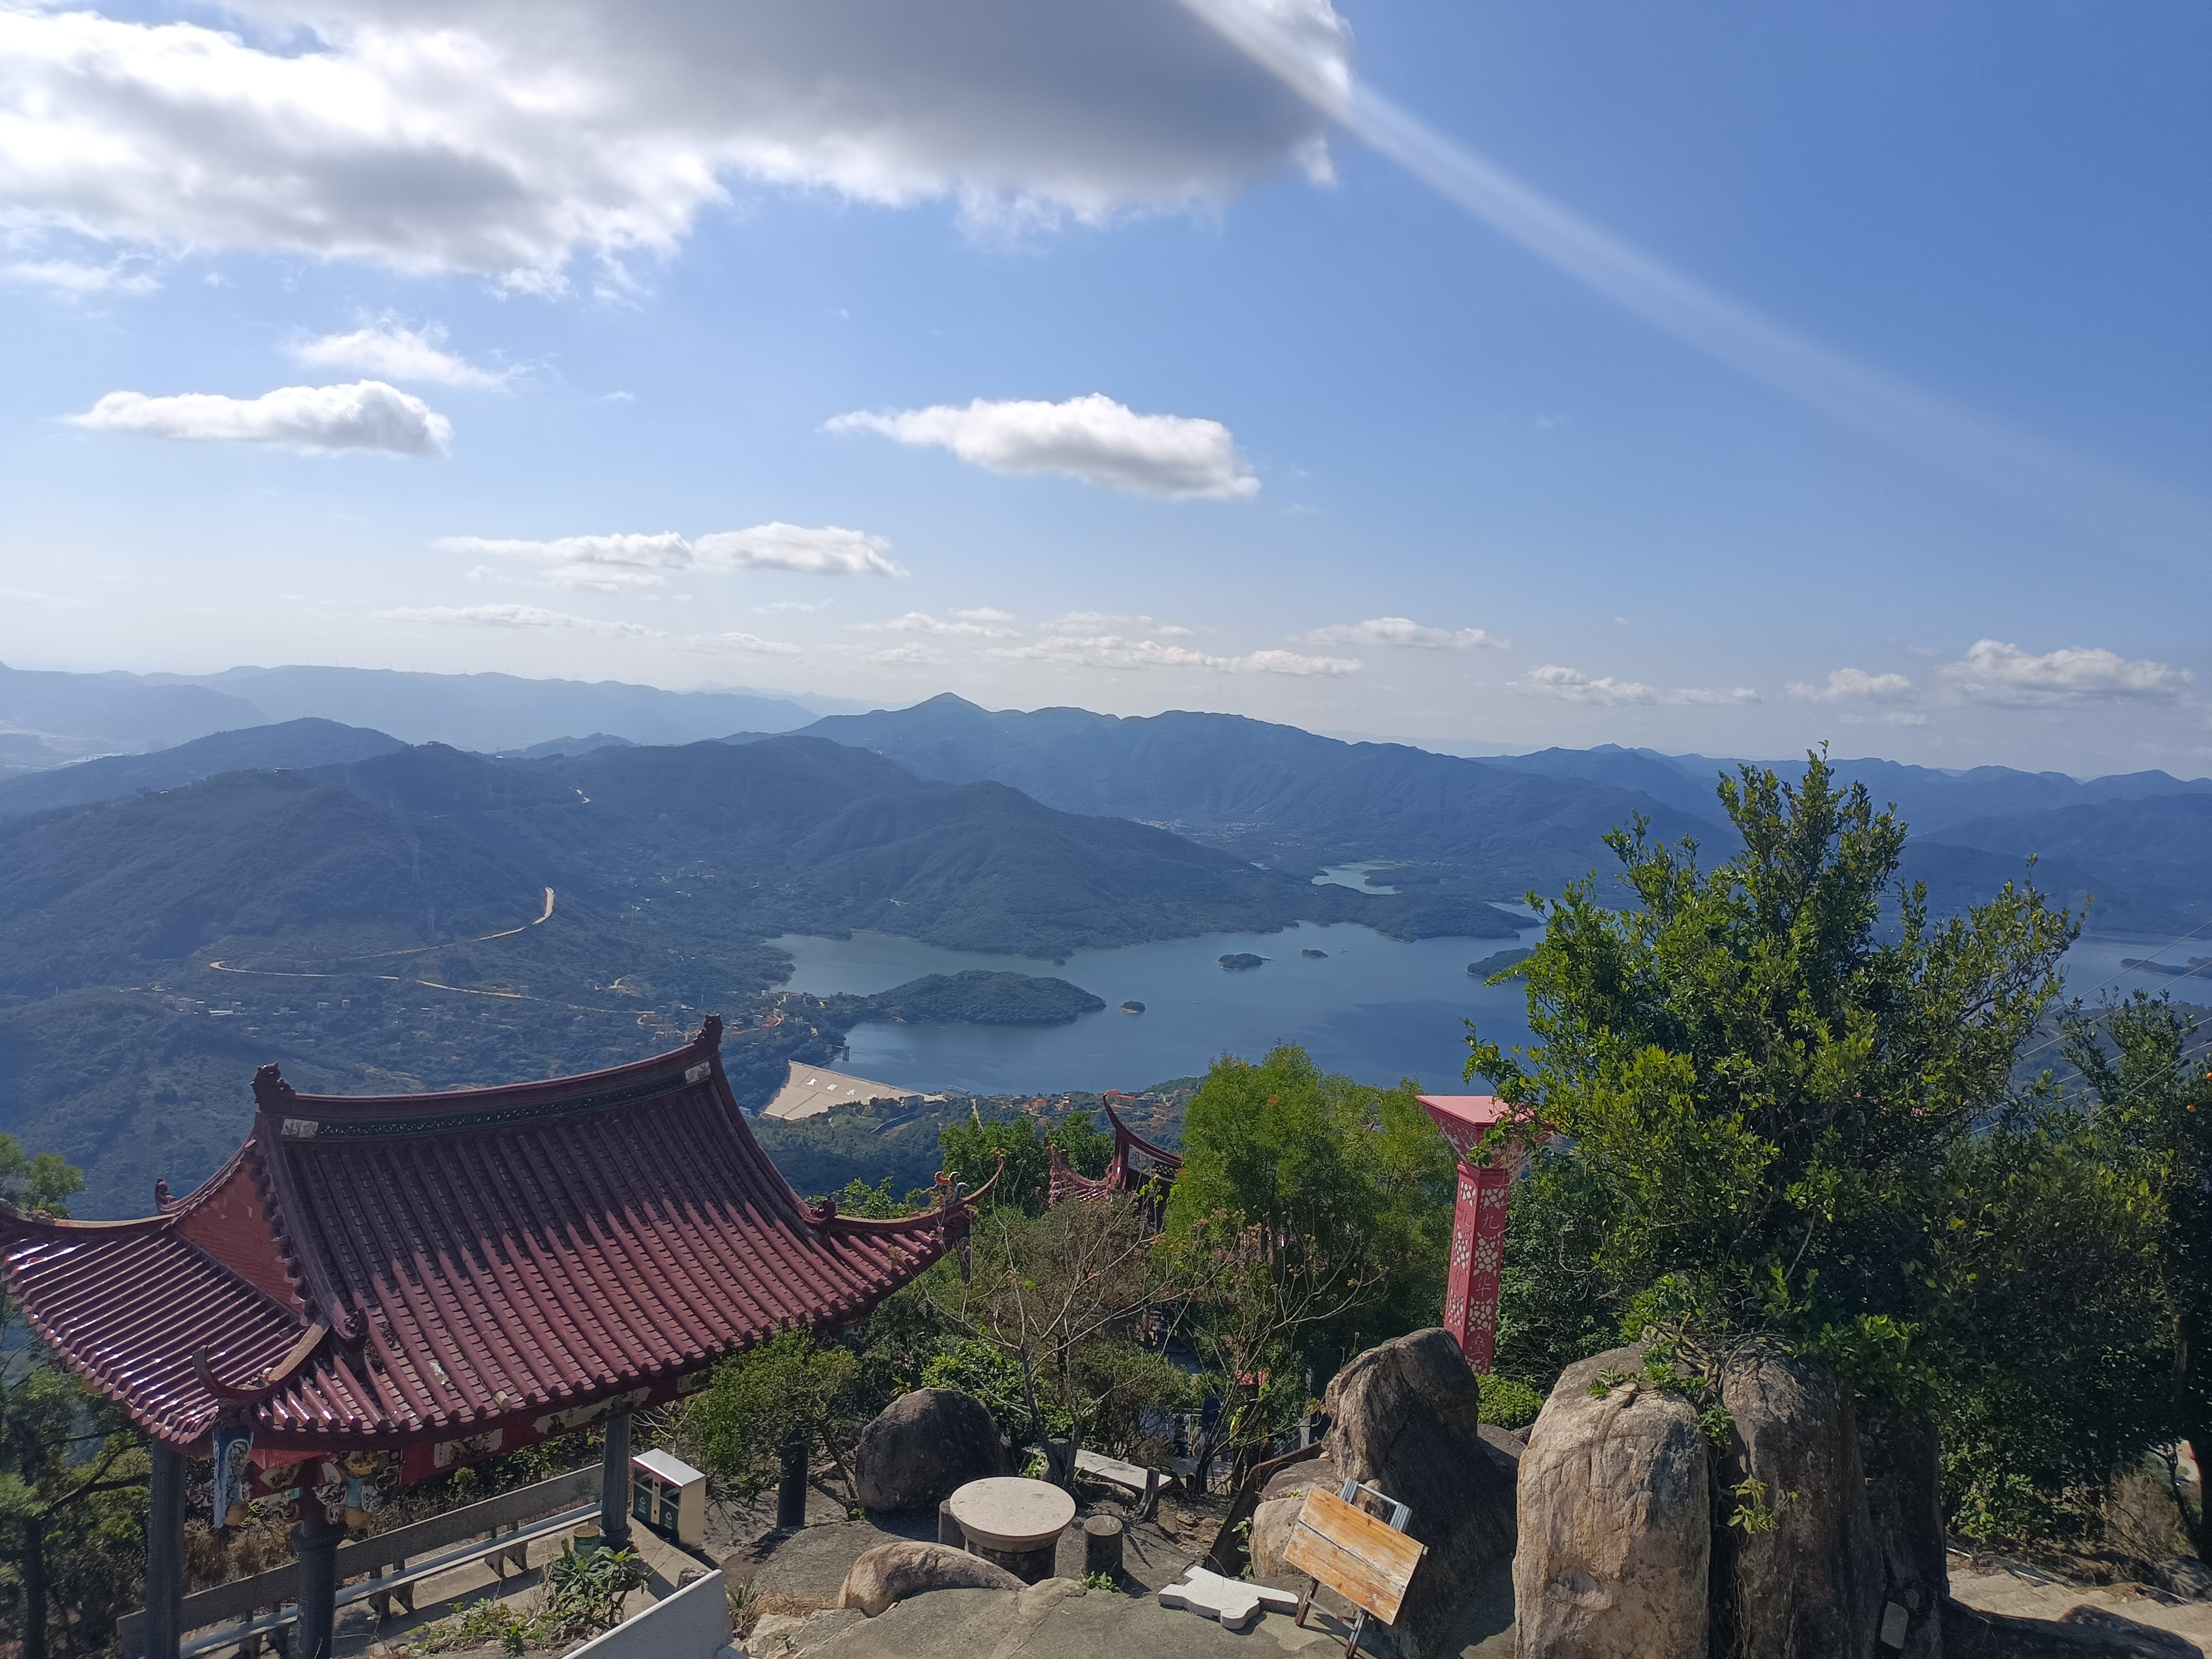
(1278, 1511)
(925, 1447)
(1615, 1523)
(893, 1572)
(1404, 1417)
(1905, 1499)
(1810, 1584)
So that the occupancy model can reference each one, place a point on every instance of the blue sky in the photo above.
(1171, 390)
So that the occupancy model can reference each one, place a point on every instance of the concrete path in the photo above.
(1057, 1620)
(2023, 1593)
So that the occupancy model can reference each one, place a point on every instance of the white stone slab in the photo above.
(1231, 1601)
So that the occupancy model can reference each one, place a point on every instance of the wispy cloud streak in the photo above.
(1961, 441)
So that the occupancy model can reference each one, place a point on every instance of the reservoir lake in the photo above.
(1376, 1008)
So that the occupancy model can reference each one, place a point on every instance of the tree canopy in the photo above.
(1756, 1074)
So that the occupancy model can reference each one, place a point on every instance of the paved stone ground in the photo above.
(2022, 1592)
(1056, 1618)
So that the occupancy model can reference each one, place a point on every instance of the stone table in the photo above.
(1014, 1522)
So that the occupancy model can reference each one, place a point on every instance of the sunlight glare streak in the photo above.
(1968, 445)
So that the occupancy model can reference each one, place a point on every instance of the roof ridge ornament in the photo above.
(270, 1093)
(269, 1381)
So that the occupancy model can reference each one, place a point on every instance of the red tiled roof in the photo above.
(439, 1265)
(1134, 1162)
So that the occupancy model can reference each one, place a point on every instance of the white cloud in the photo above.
(1404, 630)
(1113, 651)
(603, 562)
(644, 560)
(1570, 685)
(1993, 672)
(1093, 438)
(80, 281)
(827, 550)
(985, 614)
(920, 621)
(533, 617)
(1854, 685)
(392, 350)
(506, 616)
(367, 415)
(1289, 662)
(483, 136)
(906, 656)
(745, 642)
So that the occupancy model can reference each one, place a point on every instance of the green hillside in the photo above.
(977, 997)
(427, 918)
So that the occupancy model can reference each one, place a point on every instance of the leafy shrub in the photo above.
(582, 1595)
(1508, 1401)
(979, 1368)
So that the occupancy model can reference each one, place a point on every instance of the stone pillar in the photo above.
(316, 1537)
(165, 1554)
(614, 1485)
(1102, 1546)
(791, 1494)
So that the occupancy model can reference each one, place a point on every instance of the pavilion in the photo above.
(1138, 1166)
(373, 1290)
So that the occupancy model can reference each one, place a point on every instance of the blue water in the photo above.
(1376, 1008)
(2093, 967)
(1373, 1007)
(1354, 876)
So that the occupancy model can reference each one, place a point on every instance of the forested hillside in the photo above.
(427, 918)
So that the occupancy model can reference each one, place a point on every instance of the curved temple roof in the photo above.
(390, 1272)
(1135, 1161)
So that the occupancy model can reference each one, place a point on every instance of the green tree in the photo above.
(2049, 1332)
(67, 1456)
(1552, 1306)
(1313, 1212)
(41, 1182)
(790, 1395)
(972, 1151)
(2153, 1089)
(1065, 1297)
(1757, 1077)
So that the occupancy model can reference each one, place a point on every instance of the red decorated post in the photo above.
(1478, 1224)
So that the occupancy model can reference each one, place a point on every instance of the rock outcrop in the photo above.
(1809, 1585)
(1404, 1417)
(1615, 1523)
(1278, 1511)
(892, 1572)
(1905, 1500)
(925, 1447)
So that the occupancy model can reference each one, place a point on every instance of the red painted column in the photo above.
(1477, 1256)
(1477, 1222)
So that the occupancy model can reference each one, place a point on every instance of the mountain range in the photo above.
(2139, 843)
(48, 718)
(378, 914)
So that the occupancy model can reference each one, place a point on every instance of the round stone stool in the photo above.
(1013, 1523)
